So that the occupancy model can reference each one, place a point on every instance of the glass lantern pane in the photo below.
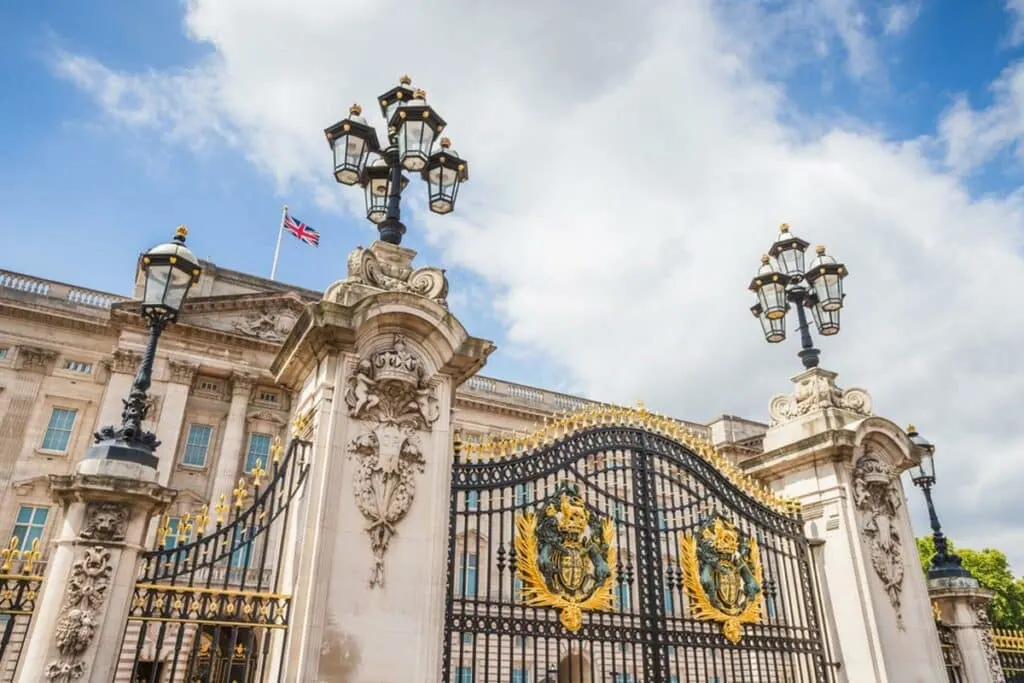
(350, 154)
(773, 300)
(180, 282)
(156, 284)
(829, 289)
(414, 142)
(376, 200)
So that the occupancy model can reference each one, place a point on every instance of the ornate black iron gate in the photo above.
(616, 546)
(209, 598)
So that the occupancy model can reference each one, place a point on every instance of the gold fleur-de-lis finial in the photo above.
(301, 422)
(185, 528)
(202, 519)
(221, 508)
(257, 473)
(239, 494)
(9, 555)
(163, 531)
(31, 556)
(276, 449)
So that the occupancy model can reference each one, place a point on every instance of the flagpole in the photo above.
(277, 249)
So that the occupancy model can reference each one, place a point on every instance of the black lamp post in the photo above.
(413, 145)
(171, 269)
(945, 564)
(782, 282)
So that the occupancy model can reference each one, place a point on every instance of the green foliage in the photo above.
(992, 570)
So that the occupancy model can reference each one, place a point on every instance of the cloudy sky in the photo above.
(630, 162)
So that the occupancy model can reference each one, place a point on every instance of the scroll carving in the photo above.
(389, 390)
(984, 626)
(815, 390)
(365, 268)
(877, 497)
(84, 597)
(105, 522)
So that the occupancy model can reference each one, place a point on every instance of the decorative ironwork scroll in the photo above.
(722, 575)
(571, 552)
(207, 598)
(566, 556)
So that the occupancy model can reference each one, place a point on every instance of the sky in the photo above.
(629, 164)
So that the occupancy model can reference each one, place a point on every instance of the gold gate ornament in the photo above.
(722, 575)
(560, 564)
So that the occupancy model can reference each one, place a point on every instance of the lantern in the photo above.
(923, 474)
(416, 125)
(444, 172)
(774, 330)
(376, 182)
(827, 322)
(171, 269)
(789, 250)
(352, 140)
(396, 97)
(825, 276)
(770, 286)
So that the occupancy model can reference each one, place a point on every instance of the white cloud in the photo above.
(974, 136)
(899, 17)
(630, 163)
(1016, 10)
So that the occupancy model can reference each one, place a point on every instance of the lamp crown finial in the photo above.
(181, 232)
(445, 142)
(911, 429)
(355, 110)
(765, 259)
(784, 227)
(405, 80)
(820, 249)
(419, 94)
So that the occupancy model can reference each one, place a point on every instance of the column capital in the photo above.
(181, 371)
(241, 382)
(124, 361)
(36, 358)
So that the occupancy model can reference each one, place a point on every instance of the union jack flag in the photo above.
(301, 230)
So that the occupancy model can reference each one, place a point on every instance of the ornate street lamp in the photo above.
(782, 282)
(945, 564)
(171, 269)
(413, 145)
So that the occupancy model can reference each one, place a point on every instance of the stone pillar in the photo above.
(123, 365)
(826, 449)
(226, 474)
(34, 363)
(172, 413)
(84, 600)
(378, 360)
(961, 604)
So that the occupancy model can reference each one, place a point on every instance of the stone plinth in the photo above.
(376, 364)
(90, 576)
(825, 449)
(962, 605)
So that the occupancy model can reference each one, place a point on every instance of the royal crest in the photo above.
(722, 575)
(565, 557)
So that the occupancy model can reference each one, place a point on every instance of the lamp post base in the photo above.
(123, 451)
(809, 357)
(948, 567)
(391, 231)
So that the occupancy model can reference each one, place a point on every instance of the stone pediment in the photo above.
(261, 317)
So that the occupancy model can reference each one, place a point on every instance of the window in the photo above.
(210, 386)
(668, 599)
(267, 396)
(517, 588)
(242, 558)
(472, 500)
(468, 638)
(3, 352)
(176, 536)
(464, 674)
(468, 576)
(620, 512)
(662, 522)
(197, 444)
(622, 596)
(258, 453)
(29, 525)
(524, 494)
(623, 678)
(58, 431)
(520, 676)
(78, 366)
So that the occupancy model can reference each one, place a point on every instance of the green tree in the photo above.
(992, 570)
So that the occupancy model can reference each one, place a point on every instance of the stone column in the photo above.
(226, 474)
(962, 605)
(825, 449)
(172, 413)
(123, 365)
(379, 358)
(84, 600)
(35, 363)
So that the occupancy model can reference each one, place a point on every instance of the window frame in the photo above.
(54, 407)
(25, 540)
(182, 458)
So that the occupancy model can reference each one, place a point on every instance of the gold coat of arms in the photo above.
(565, 557)
(722, 575)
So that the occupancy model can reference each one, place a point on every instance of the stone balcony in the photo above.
(50, 293)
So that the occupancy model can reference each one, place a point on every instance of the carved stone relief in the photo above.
(390, 391)
(105, 522)
(36, 358)
(123, 360)
(878, 498)
(815, 390)
(984, 626)
(181, 372)
(365, 268)
(86, 591)
(264, 324)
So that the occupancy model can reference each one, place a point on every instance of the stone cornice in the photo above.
(55, 317)
(502, 408)
(833, 445)
(69, 488)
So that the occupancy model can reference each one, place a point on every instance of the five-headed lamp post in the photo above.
(783, 282)
(412, 145)
(945, 563)
(170, 269)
